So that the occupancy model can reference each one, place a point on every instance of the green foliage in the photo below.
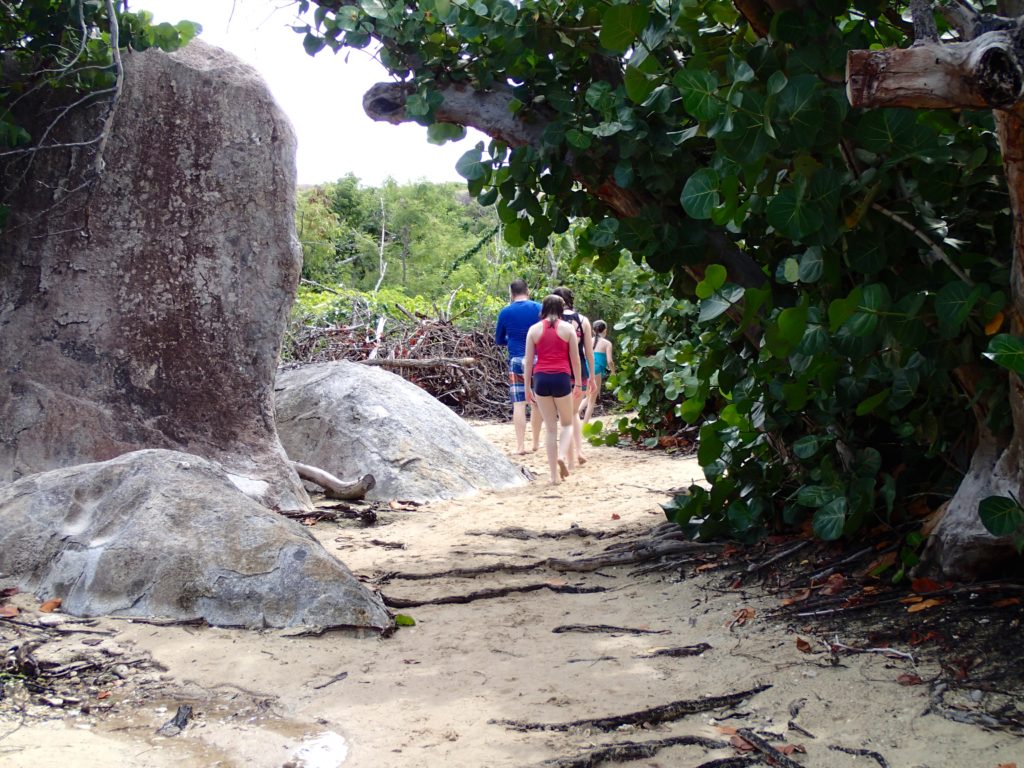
(434, 237)
(876, 244)
(1003, 516)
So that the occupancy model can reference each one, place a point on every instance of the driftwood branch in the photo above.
(985, 73)
(333, 487)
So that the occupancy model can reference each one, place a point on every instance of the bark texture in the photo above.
(146, 309)
(983, 72)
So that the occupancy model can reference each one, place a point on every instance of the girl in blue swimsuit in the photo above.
(603, 365)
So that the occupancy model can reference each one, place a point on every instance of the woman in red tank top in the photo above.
(550, 366)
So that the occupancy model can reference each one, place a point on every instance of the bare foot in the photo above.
(521, 452)
(562, 469)
(581, 459)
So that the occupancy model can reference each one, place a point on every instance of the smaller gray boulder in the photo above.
(353, 419)
(165, 534)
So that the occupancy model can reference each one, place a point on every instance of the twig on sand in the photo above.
(661, 714)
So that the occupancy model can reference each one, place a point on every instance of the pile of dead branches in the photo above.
(462, 368)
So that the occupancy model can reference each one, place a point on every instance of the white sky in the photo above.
(321, 94)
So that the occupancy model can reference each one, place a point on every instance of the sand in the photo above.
(427, 695)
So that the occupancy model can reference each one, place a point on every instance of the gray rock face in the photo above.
(351, 419)
(167, 534)
(147, 309)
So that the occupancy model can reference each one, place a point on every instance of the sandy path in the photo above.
(426, 695)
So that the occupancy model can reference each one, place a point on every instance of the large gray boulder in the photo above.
(353, 419)
(167, 534)
(146, 309)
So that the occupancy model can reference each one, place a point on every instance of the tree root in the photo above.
(685, 650)
(623, 554)
(464, 572)
(523, 534)
(761, 745)
(639, 552)
(661, 714)
(630, 750)
(597, 628)
(488, 594)
(732, 762)
(882, 762)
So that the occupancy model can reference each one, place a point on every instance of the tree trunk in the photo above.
(984, 72)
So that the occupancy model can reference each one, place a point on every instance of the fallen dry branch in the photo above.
(761, 745)
(631, 750)
(882, 762)
(661, 714)
(489, 594)
(432, 362)
(462, 368)
(331, 514)
(605, 628)
(679, 651)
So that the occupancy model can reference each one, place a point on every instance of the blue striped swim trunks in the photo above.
(516, 387)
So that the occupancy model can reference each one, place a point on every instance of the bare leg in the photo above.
(519, 423)
(567, 418)
(593, 392)
(546, 406)
(577, 430)
(536, 421)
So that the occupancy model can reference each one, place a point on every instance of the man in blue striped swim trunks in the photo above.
(513, 323)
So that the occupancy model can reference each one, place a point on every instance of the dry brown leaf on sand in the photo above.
(50, 605)
(924, 605)
(798, 597)
(802, 645)
(8, 611)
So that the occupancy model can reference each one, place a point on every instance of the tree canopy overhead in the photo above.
(847, 267)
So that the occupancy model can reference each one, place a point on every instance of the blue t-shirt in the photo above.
(513, 323)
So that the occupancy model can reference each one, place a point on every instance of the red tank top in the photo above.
(552, 352)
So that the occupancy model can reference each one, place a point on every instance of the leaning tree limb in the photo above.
(488, 112)
(665, 713)
(985, 72)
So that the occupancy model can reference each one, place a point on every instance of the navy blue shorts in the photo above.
(552, 384)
